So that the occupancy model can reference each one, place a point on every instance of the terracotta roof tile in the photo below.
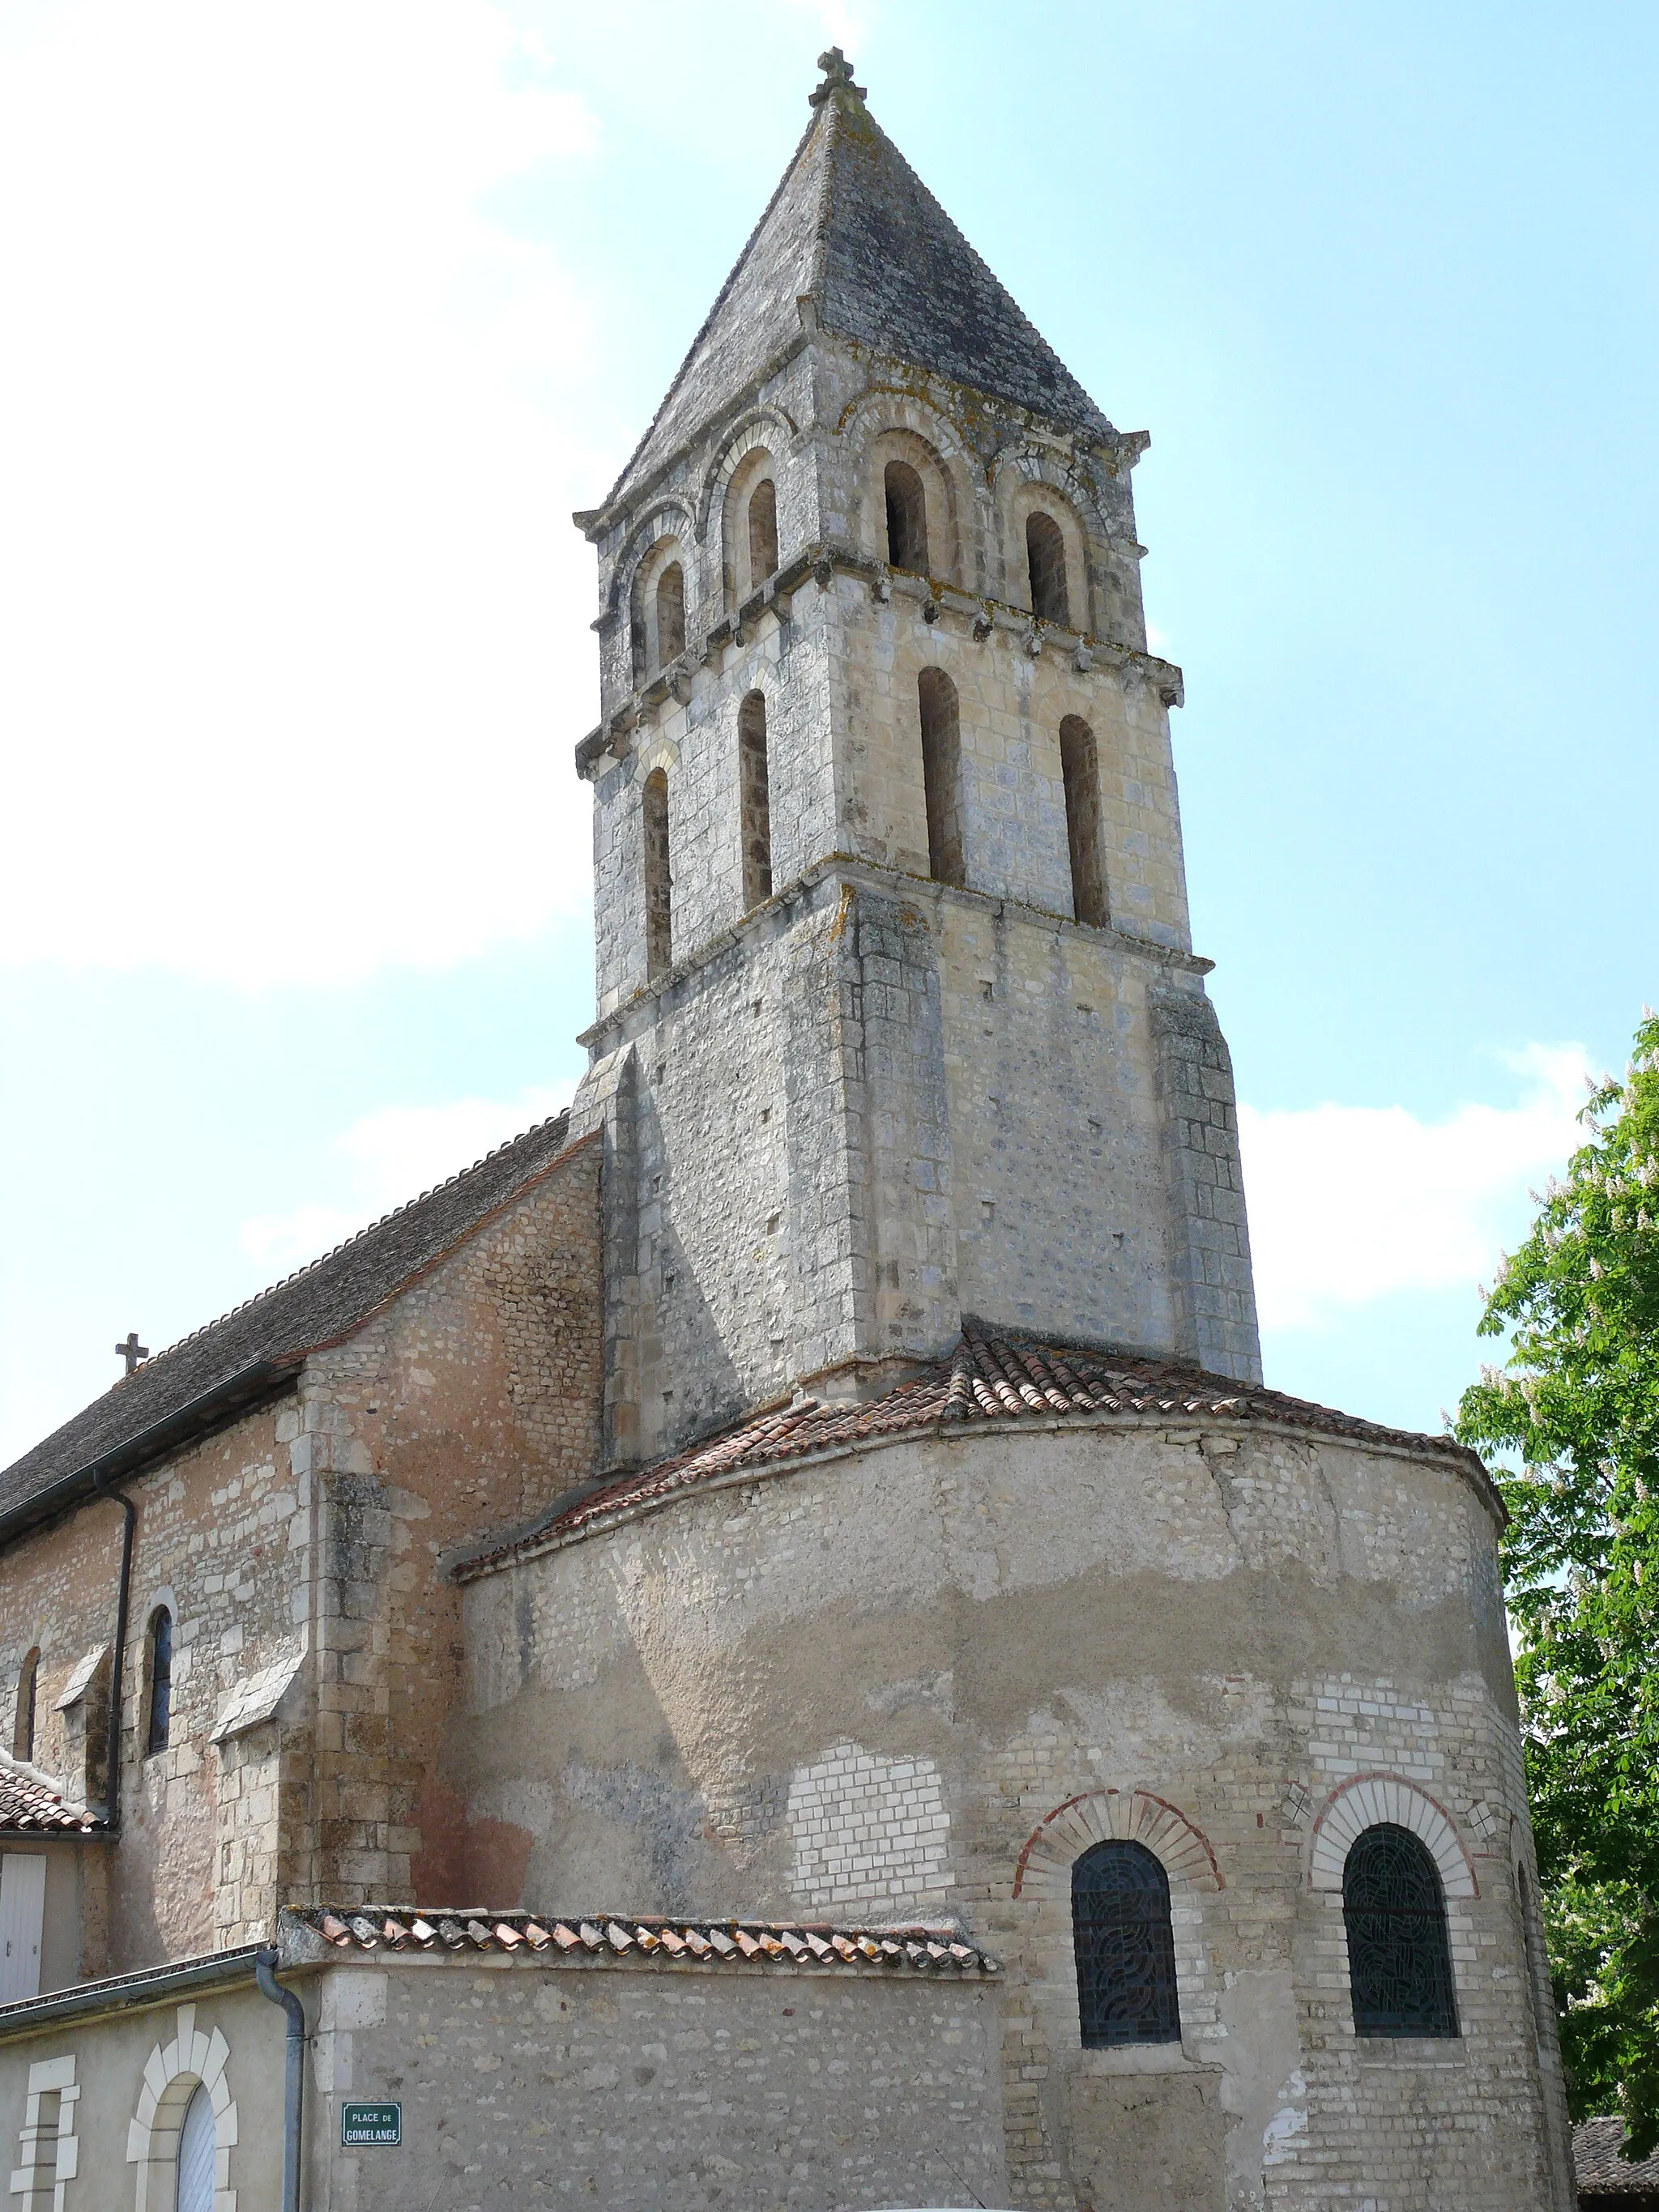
(921, 1949)
(993, 1379)
(1599, 2168)
(30, 1806)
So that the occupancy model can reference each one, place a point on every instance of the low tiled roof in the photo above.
(245, 1352)
(664, 1942)
(995, 1379)
(30, 1806)
(1600, 2170)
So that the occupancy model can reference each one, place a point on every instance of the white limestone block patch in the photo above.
(868, 1828)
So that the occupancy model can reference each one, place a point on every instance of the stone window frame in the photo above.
(23, 1738)
(1042, 1879)
(887, 428)
(1363, 1802)
(665, 534)
(755, 451)
(1028, 477)
(29, 2186)
(192, 2060)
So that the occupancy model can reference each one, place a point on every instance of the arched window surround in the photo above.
(1367, 1800)
(1394, 1915)
(1028, 483)
(193, 2059)
(1048, 587)
(646, 644)
(909, 432)
(1043, 1883)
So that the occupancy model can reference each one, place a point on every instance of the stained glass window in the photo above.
(1125, 1977)
(1398, 1958)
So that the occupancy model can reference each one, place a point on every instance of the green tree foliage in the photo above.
(1577, 1403)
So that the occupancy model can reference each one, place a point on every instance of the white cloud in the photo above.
(1348, 1203)
(294, 613)
(389, 1157)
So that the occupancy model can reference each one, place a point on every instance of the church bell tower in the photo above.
(899, 1021)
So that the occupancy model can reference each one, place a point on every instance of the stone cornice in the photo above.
(894, 882)
(821, 564)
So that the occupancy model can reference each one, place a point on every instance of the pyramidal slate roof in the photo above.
(852, 226)
(248, 1351)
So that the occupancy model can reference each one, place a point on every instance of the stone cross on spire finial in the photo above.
(837, 77)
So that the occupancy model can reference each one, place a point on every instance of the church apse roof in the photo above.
(995, 1379)
(234, 1361)
(853, 229)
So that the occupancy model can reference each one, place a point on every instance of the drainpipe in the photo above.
(113, 1810)
(264, 1965)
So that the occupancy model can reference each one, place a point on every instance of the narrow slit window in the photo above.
(756, 801)
(23, 1733)
(671, 614)
(907, 518)
(762, 532)
(1125, 1947)
(1045, 557)
(1079, 765)
(658, 930)
(159, 1729)
(1393, 1909)
(941, 770)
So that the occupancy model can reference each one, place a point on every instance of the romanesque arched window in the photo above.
(1394, 1908)
(762, 532)
(671, 614)
(907, 518)
(159, 1670)
(1045, 557)
(941, 771)
(1079, 766)
(1124, 1947)
(754, 800)
(658, 928)
(22, 1726)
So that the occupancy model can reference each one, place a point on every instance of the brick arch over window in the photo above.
(192, 2060)
(1098, 1816)
(1370, 1800)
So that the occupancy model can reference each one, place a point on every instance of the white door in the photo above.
(22, 1910)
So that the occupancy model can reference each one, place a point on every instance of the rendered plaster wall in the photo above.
(530, 2085)
(865, 1685)
(116, 2082)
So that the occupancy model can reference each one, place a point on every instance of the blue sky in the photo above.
(329, 317)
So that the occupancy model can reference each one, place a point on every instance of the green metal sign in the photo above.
(371, 2123)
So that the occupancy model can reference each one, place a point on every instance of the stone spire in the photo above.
(852, 231)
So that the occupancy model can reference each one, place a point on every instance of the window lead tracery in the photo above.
(1125, 1947)
(1394, 1908)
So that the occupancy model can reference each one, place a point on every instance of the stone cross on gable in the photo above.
(132, 1352)
(837, 75)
